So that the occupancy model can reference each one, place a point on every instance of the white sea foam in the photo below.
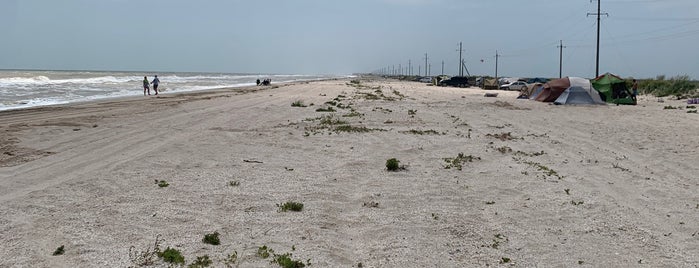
(20, 89)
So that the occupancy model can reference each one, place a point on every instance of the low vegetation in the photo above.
(59, 251)
(298, 103)
(678, 86)
(290, 206)
(393, 164)
(212, 239)
(201, 262)
(171, 255)
(458, 161)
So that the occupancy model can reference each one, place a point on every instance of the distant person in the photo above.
(258, 81)
(634, 87)
(146, 86)
(155, 83)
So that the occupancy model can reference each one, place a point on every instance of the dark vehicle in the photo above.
(456, 81)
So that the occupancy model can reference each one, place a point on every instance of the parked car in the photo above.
(425, 79)
(456, 81)
(519, 85)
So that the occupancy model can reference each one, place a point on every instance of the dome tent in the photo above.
(612, 89)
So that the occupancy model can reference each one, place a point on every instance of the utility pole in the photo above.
(496, 69)
(429, 69)
(419, 69)
(426, 64)
(560, 63)
(442, 67)
(400, 69)
(461, 50)
(599, 13)
(410, 68)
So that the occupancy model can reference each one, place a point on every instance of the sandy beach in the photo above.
(485, 181)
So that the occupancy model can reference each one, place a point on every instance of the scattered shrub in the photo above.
(59, 251)
(392, 164)
(290, 206)
(171, 255)
(201, 262)
(212, 239)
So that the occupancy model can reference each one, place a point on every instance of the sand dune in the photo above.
(538, 185)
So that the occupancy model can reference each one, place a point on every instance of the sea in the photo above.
(30, 88)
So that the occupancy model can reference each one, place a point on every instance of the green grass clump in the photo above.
(458, 161)
(201, 262)
(285, 261)
(422, 132)
(264, 252)
(329, 109)
(59, 251)
(393, 164)
(171, 255)
(290, 206)
(162, 184)
(298, 103)
(212, 239)
(348, 128)
(330, 120)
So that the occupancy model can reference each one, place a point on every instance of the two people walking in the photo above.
(146, 85)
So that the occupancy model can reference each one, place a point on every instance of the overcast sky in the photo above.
(640, 38)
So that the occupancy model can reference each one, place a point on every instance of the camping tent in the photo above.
(612, 89)
(579, 95)
(554, 88)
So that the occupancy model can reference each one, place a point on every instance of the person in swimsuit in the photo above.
(146, 86)
(155, 83)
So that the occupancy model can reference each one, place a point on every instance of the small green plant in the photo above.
(577, 203)
(504, 149)
(412, 112)
(435, 216)
(298, 103)
(285, 261)
(502, 136)
(264, 252)
(348, 128)
(669, 107)
(162, 183)
(692, 111)
(422, 132)
(392, 164)
(201, 262)
(328, 109)
(231, 259)
(489, 202)
(171, 255)
(457, 162)
(330, 120)
(212, 239)
(146, 257)
(290, 206)
(567, 191)
(234, 183)
(59, 251)
(505, 260)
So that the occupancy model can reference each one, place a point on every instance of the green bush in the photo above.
(679, 86)
(212, 239)
(392, 164)
(290, 206)
(171, 255)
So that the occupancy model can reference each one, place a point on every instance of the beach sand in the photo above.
(538, 185)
